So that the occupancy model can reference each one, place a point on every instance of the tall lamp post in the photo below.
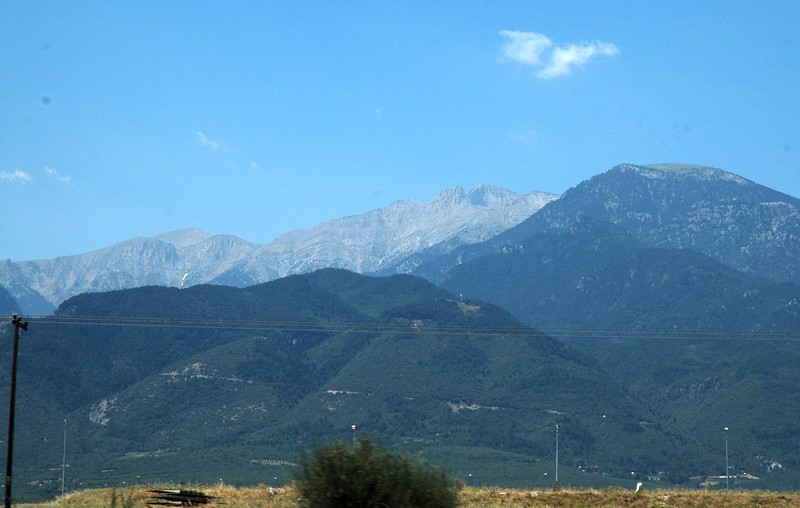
(556, 485)
(64, 459)
(727, 467)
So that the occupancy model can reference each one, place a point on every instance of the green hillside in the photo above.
(210, 383)
(703, 345)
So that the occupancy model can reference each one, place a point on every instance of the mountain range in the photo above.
(378, 240)
(745, 225)
(643, 311)
(214, 382)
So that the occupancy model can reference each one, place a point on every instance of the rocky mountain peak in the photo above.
(490, 196)
(743, 224)
(449, 197)
(362, 243)
(680, 170)
(183, 237)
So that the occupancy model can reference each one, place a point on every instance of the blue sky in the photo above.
(125, 119)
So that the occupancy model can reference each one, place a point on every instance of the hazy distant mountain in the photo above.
(361, 243)
(8, 305)
(379, 239)
(743, 224)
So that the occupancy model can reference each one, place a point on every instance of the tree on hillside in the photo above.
(365, 475)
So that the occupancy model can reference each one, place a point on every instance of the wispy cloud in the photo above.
(208, 143)
(525, 47)
(55, 174)
(551, 60)
(564, 58)
(17, 176)
(254, 166)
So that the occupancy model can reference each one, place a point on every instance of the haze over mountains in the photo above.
(669, 293)
(374, 241)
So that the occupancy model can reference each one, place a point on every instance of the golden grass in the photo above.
(617, 498)
(252, 497)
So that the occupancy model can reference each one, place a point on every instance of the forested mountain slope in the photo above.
(156, 381)
(704, 345)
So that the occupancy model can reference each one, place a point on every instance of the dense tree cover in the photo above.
(598, 276)
(691, 337)
(238, 378)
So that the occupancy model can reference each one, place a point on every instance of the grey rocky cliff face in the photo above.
(745, 225)
(361, 243)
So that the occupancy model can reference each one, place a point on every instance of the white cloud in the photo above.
(55, 174)
(208, 143)
(537, 50)
(254, 166)
(525, 47)
(564, 58)
(17, 176)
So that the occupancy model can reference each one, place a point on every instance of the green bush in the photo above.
(365, 475)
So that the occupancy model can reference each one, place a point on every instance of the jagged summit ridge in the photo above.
(184, 237)
(381, 237)
(360, 243)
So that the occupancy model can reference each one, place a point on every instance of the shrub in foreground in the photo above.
(367, 475)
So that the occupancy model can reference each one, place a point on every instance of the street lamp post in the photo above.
(727, 467)
(64, 459)
(555, 484)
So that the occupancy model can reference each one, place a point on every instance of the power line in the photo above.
(416, 326)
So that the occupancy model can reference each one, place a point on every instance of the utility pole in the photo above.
(18, 323)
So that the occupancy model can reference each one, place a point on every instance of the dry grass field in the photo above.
(252, 497)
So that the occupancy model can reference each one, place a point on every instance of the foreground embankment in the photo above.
(252, 497)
